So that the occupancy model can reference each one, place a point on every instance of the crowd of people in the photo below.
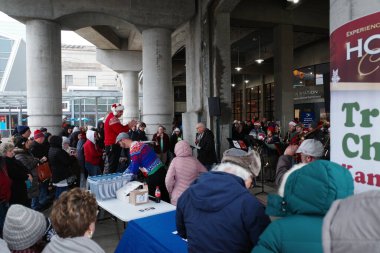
(274, 143)
(215, 209)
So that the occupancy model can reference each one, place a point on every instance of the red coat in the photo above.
(5, 185)
(92, 154)
(112, 127)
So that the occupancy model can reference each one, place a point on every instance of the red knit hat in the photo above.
(38, 134)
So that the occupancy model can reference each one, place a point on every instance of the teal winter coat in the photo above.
(306, 194)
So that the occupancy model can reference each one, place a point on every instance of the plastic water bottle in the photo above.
(157, 194)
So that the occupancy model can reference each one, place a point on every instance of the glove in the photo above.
(145, 174)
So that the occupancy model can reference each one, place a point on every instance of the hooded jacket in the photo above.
(218, 214)
(73, 245)
(92, 152)
(183, 170)
(305, 195)
(352, 225)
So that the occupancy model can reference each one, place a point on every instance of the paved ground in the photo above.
(106, 234)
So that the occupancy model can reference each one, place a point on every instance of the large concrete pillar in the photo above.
(194, 80)
(44, 91)
(158, 99)
(343, 11)
(222, 78)
(130, 84)
(283, 66)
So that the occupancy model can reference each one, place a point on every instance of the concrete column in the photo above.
(158, 99)
(127, 64)
(194, 79)
(283, 66)
(343, 11)
(130, 95)
(44, 91)
(222, 77)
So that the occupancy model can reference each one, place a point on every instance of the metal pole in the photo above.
(19, 120)
(96, 111)
(80, 112)
(72, 112)
(10, 121)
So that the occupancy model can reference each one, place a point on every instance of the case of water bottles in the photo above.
(105, 186)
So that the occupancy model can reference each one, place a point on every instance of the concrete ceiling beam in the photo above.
(149, 13)
(102, 38)
(226, 6)
(120, 61)
(310, 14)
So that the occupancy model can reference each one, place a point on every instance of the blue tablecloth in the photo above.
(152, 234)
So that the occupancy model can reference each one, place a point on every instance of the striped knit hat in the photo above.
(23, 227)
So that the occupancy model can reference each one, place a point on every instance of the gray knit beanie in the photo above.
(23, 227)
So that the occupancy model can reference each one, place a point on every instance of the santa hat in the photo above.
(116, 107)
(257, 123)
(38, 134)
(292, 123)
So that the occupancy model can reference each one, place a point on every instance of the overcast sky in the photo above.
(11, 26)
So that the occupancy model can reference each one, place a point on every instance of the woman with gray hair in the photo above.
(18, 173)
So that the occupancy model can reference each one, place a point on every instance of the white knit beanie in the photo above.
(23, 227)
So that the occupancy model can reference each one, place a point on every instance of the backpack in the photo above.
(5, 184)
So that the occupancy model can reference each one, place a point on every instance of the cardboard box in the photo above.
(123, 193)
(138, 197)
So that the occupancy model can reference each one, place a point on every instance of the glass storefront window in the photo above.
(269, 101)
(253, 102)
(236, 104)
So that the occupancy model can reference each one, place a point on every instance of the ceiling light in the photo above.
(294, 1)
(238, 68)
(246, 81)
(233, 85)
(251, 88)
(259, 61)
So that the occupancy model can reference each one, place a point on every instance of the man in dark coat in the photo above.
(217, 213)
(205, 146)
(40, 149)
(60, 165)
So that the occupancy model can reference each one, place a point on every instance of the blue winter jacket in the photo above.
(218, 214)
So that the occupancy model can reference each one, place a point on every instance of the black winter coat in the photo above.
(39, 150)
(59, 161)
(19, 174)
(206, 153)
